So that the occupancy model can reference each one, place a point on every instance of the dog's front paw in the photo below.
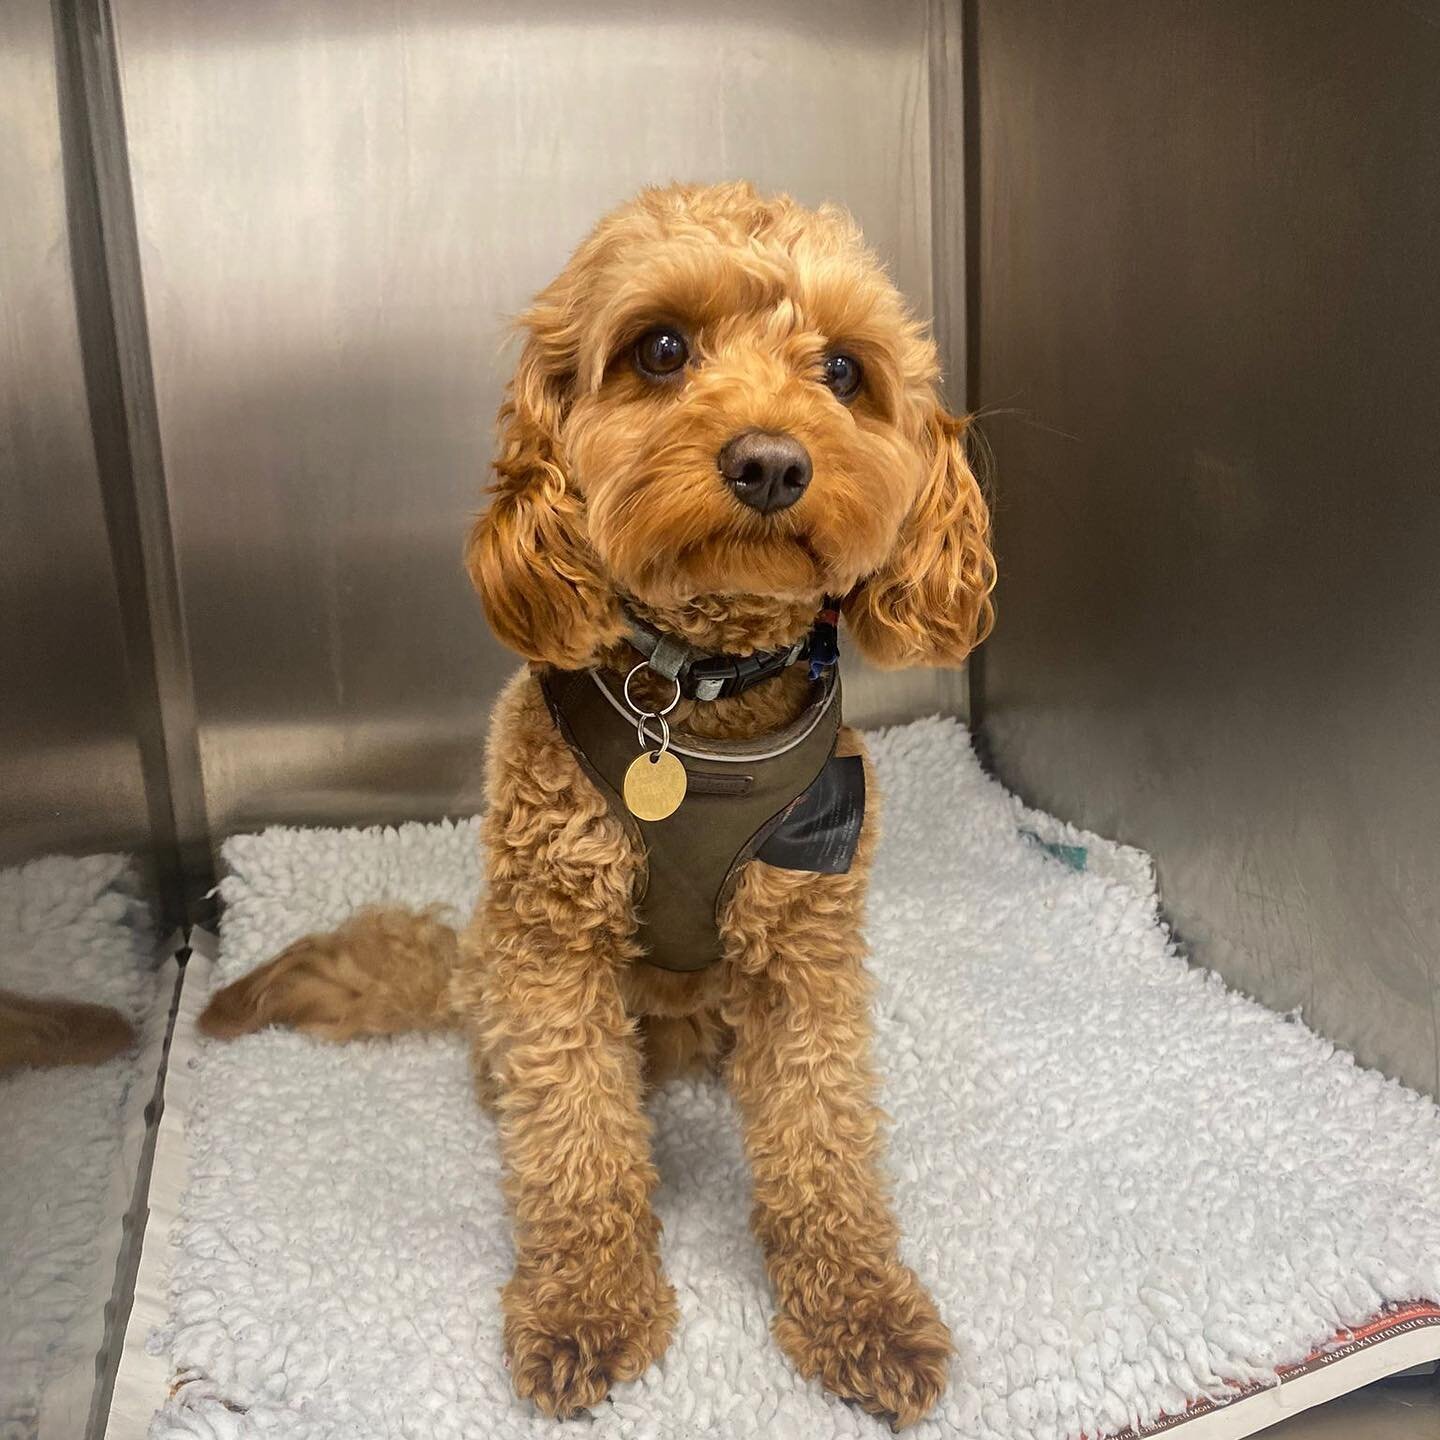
(566, 1345)
(873, 1339)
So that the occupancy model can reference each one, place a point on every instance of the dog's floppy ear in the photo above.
(528, 554)
(929, 603)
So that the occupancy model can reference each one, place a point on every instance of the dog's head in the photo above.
(723, 395)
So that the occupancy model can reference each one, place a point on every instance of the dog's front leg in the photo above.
(559, 1060)
(850, 1313)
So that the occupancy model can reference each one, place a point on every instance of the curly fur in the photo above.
(607, 490)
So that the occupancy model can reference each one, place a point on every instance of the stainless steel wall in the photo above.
(1210, 330)
(82, 758)
(70, 772)
(338, 208)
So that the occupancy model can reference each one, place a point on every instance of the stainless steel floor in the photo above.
(1407, 1409)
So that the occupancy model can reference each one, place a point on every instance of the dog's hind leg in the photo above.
(383, 972)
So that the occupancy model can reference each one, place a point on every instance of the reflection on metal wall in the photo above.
(1211, 306)
(82, 1005)
(70, 776)
(338, 208)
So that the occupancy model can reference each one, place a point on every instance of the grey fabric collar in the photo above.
(702, 675)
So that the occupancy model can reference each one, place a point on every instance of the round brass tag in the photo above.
(654, 785)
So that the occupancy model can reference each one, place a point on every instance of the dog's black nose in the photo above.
(768, 472)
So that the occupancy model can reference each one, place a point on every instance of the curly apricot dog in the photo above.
(723, 414)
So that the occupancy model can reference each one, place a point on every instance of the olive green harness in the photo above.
(737, 796)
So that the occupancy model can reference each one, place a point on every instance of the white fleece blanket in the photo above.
(70, 928)
(1126, 1186)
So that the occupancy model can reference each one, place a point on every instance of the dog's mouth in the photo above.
(782, 564)
(669, 553)
(803, 543)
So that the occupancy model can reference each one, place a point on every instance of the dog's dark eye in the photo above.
(661, 353)
(843, 375)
